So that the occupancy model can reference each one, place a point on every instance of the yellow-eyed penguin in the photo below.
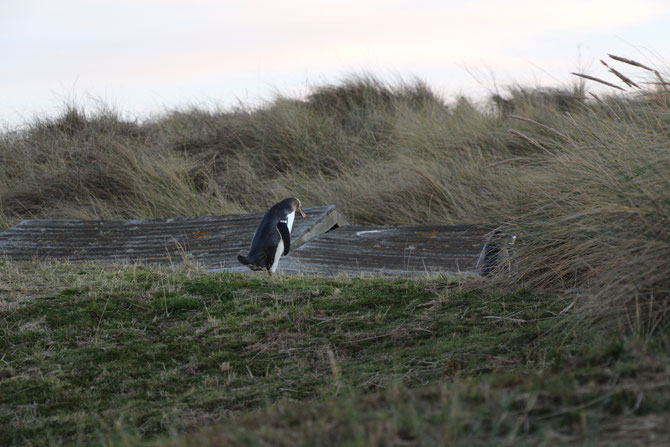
(272, 239)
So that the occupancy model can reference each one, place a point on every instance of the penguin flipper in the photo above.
(285, 236)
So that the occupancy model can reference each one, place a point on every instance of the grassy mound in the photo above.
(584, 181)
(122, 355)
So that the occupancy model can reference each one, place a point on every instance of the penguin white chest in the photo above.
(280, 245)
(289, 220)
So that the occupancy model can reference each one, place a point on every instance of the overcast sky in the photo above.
(145, 56)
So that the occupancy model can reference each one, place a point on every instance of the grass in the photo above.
(568, 346)
(131, 355)
(583, 178)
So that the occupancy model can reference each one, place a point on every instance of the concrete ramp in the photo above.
(213, 241)
(395, 251)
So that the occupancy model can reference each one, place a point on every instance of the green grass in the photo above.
(128, 355)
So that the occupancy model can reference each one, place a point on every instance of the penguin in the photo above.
(496, 250)
(272, 238)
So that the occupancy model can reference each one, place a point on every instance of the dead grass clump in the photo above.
(594, 213)
(97, 167)
(553, 99)
(359, 92)
(74, 121)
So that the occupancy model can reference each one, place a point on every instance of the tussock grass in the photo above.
(583, 179)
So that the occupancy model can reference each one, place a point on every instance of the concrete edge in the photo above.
(331, 218)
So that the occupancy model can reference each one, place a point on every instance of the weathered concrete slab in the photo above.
(407, 251)
(213, 241)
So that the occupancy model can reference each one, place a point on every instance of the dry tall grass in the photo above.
(585, 181)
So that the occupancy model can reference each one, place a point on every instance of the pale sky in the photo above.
(145, 56)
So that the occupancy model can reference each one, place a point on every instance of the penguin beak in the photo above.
(304, 216)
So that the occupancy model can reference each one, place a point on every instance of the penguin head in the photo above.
(292, 205)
